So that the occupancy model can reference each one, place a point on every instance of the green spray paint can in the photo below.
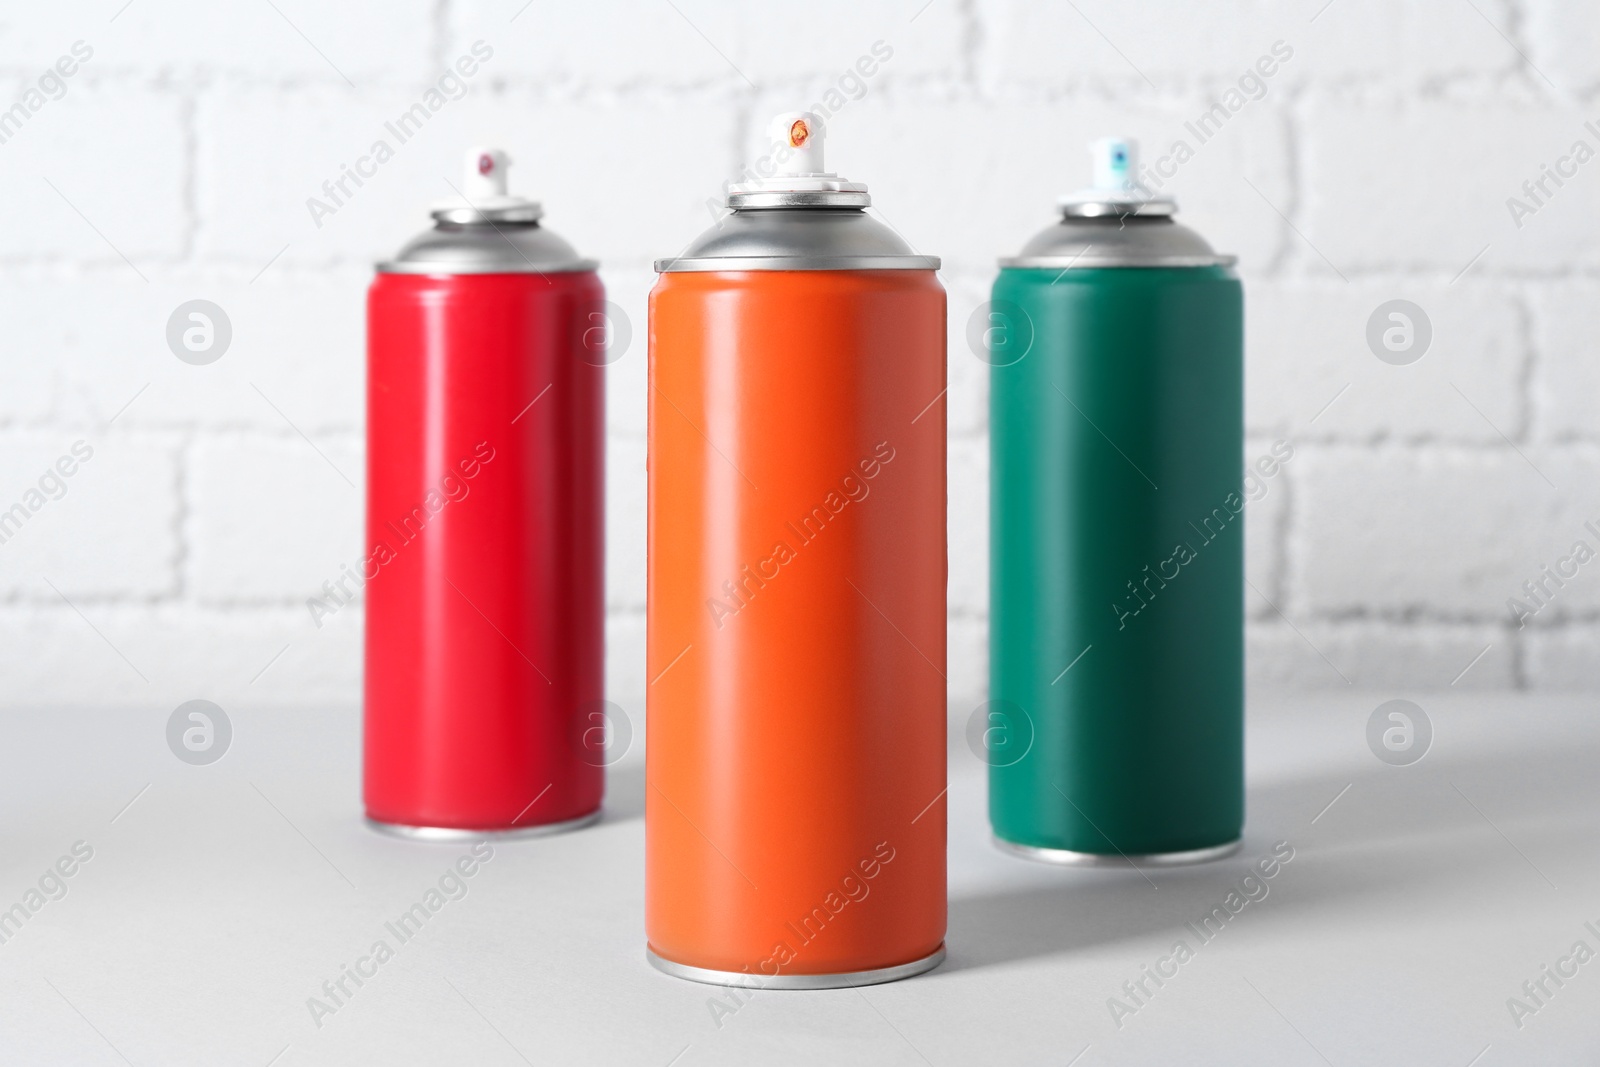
(1115, 726)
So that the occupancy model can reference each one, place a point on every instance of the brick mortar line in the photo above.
(180, 79)
(1406, 616)
(183, 433)
(960, 274)
(1530, 371)
(1436, 623)
(189, 193)
(970, 46)
(183, 513)
(178, 76)
(1516, 18)
(1481, 87)
(1184, 90)
(1282, 593)
(1378, 441)
(33, 267)
(440, 37)
(1461, 448)
(27, 605)
(211, 433)
(947, 87)
(1518, 642)
(1526, 430)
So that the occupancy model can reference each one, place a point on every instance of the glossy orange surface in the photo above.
(795, 818)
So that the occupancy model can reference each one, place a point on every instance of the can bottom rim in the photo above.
(840, 980)
(1065, 857)
(456, 833)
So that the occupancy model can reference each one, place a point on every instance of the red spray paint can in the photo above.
(483, 562)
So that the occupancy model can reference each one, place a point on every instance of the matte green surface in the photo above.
(1117, 437)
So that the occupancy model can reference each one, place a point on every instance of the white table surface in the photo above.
(222, 898)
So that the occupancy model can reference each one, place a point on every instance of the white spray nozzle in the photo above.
(793, 162)
(483, 174)
(1116, 164)
(1116, 189)
(483, 190)
(801, 132)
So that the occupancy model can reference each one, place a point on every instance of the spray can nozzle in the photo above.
(792, 172)
(1115, 164)
(484, 175)
(484, 190)
(1116, 189)
(803, 135)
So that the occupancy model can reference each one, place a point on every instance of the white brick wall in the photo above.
(1375, 165)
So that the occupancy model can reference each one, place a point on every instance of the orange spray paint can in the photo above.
(795, 817)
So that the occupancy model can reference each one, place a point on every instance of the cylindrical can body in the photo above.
(1117, 560)
(796, 635)
(484, 562)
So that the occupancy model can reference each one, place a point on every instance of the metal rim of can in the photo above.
(466, 216)
(839, 980)
(1066, 857)
(741, 263)
(1092, 262)
(1100, 209)
(445, 834)
(577, 266)
(792, 198)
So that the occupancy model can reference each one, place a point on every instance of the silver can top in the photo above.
(801, 218)
(1116, 223)
(486, 230)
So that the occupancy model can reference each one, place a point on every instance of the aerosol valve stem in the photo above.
(1116, 164)
(801, 133)
(484, 174)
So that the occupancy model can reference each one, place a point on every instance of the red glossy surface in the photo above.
(484, 550)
